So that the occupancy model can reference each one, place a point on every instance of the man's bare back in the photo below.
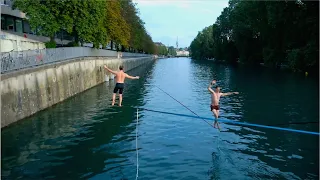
(120, 76)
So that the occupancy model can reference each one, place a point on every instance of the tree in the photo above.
(85, 20)
(273, 32)
(172, 51)
(202, 46)
(117, 27)
(92, 21)
(161, 50)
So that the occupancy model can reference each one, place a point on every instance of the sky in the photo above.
(165, 20)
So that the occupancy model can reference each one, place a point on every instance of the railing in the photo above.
(16, 60)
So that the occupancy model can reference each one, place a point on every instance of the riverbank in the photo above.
(281, 67)
(28, 91)
(259, 37)
(55, 143)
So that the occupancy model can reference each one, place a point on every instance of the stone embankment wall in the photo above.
(28, 91)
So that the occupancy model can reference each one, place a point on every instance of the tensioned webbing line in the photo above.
(137, 123)
(236, 122)
(227, 121)
(185, 106)
(220, 120)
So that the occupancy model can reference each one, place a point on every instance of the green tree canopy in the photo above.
(117, 27)
(44, 14)
(161, 50)
(95, 21)
(272, 32)
(172, 51)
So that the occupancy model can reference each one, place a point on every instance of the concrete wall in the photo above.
(12, 42)
(28, 91)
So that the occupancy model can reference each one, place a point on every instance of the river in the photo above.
(86, 138)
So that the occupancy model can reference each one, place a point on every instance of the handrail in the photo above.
(16, 60)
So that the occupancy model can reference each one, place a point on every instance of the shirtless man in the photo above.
(215, 98)
(120, 77)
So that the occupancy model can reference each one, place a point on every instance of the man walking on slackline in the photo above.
(215, 98)
(120, 77)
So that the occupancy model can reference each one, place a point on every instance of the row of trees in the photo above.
(172, 51)
(90, 21)
(161, 50)
(272, 32)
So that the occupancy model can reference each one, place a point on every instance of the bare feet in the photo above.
(218, 126)
(112, 104)
(120, 105)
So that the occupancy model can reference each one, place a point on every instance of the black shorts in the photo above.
(120, 87)
(214, 107)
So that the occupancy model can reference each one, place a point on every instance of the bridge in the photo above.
(182, 53)
(181, 56)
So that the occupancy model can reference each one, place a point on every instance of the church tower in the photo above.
(177, 43)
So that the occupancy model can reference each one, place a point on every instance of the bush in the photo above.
(72, 44)
(51, 44)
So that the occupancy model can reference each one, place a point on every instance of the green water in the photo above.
(85, 138)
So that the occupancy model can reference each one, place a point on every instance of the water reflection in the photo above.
(84, 137)
(274, 98)
(79, 133)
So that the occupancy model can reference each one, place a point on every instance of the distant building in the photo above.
(13, 20)
(182, 53)
(14, 24)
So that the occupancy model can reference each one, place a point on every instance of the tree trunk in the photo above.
(117, 47)
(51, 38)
(111, 44)
(75, 35)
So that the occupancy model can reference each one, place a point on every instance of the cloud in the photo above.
(184, 5)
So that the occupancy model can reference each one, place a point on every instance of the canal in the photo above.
(86, 138)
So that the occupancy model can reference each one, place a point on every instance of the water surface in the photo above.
(85, 138)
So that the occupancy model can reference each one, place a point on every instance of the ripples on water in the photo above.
(85, 138)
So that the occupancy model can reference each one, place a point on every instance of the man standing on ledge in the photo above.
(215, 98)
(120, 77)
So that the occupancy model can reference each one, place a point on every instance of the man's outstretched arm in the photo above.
(131, 77)
(211, 84)
(113, 72)
(229, 93)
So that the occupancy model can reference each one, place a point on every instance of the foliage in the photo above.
(272, 32)
(117, 28)
(172, 51)
(51, 44)
(44, 14)
(95, 21)
(161, 50)
(203, 43)
(72, 44)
